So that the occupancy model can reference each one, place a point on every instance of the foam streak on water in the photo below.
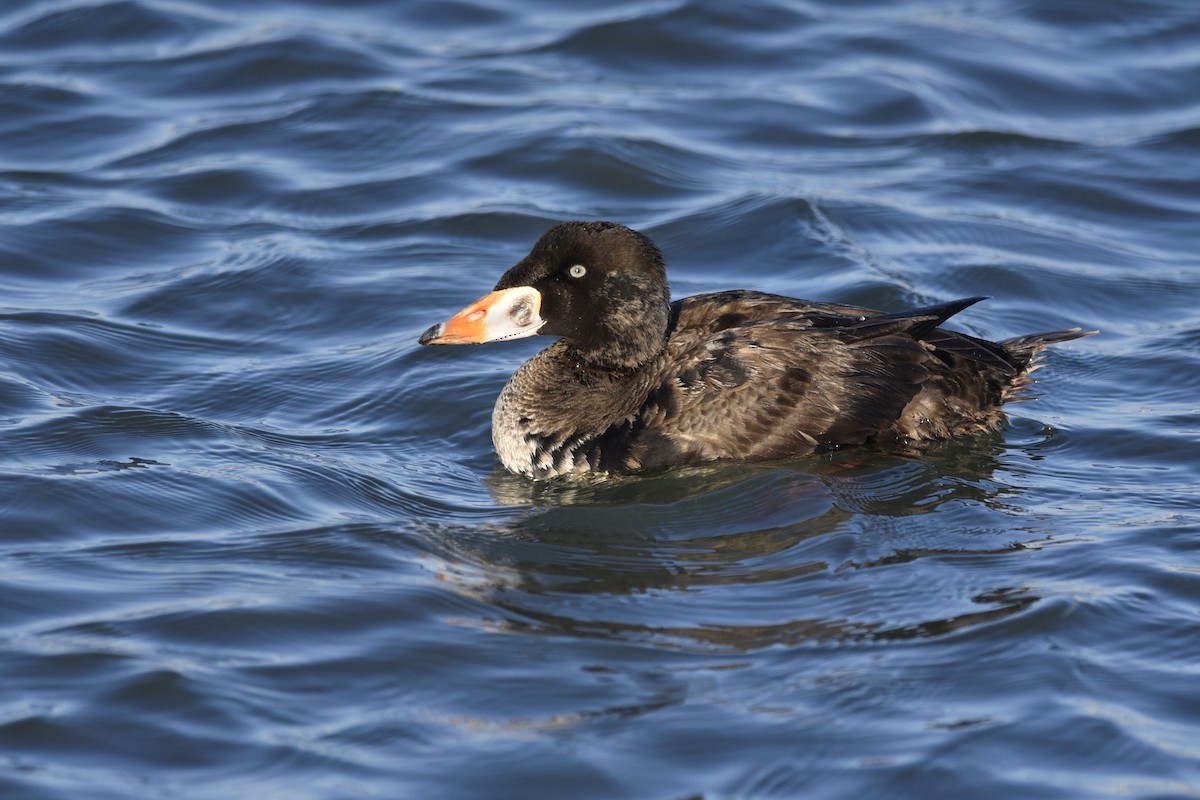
(254, 541)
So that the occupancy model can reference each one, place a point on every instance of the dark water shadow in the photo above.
(853, 548)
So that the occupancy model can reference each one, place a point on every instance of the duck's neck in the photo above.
(630, 333)
(618, 357)
(552, 414)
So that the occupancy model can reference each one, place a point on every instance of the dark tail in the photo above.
(1026, 348)
(1026, 353)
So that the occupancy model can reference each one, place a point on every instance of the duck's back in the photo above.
(753, 376)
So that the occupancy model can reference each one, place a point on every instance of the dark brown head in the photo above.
(599, 285)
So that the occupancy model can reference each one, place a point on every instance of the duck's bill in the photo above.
(506, 314)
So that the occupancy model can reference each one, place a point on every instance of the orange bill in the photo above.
(506, 314)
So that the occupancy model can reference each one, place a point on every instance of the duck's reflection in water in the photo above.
(744, 557)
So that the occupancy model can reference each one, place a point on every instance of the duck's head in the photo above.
(601, 286)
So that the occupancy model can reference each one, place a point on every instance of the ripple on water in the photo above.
(714, 568)
(255, 542)
(117, 28)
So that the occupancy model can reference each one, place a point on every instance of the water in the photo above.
(255, 542)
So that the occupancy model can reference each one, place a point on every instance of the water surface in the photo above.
(255, 543)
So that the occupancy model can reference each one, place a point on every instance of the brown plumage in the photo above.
(637, 382)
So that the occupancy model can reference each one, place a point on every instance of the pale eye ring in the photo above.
(577, 271)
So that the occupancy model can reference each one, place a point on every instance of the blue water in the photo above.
(254, 541)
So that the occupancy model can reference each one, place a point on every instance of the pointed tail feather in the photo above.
(1026, 351)
(1027, 346)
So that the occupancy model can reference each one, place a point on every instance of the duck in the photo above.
(636, 382)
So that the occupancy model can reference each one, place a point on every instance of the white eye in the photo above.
(577, 271)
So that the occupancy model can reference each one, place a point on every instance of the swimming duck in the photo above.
(636, 382)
